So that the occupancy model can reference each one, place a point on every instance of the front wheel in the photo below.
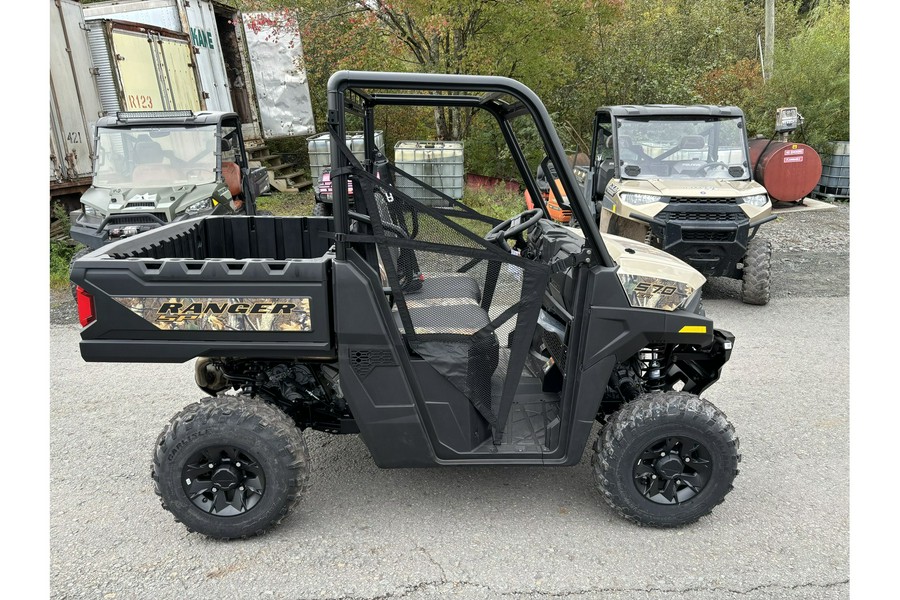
(757, 272)
(230, 466)
(666, 459)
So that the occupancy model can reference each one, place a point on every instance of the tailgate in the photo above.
(174, 309)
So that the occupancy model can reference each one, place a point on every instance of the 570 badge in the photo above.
(651, 289)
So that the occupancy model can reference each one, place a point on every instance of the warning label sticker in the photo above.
(791, 159)
(794, 152)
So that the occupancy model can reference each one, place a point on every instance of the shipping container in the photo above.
(150, 68)
(74, 101)
(242, 68)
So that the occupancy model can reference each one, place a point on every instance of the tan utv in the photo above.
(678, 178)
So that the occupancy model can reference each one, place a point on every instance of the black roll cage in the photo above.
(354, 92)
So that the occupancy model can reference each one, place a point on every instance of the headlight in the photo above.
(639, 199)
(196, 207)
(758, 200)
(91, 212)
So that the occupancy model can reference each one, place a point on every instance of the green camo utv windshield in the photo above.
(148, 157)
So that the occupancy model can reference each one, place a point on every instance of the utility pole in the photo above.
(769, 53)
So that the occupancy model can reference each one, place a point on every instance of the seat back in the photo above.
(149, 168)
(231, 172)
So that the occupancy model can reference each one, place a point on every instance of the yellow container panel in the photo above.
(137, 73)
(178, 61)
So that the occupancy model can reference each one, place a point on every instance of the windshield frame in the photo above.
(101, 179)
(712, 138)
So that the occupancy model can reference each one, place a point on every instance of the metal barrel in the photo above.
(835, 181)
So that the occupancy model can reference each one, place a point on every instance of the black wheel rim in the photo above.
(223, 481)
(672, 470)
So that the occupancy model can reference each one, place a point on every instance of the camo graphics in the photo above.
(222, 314)
(655, 292)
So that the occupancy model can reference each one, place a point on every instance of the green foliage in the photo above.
(812, 72)
(498, 202)
(581, 54)
(61, 252)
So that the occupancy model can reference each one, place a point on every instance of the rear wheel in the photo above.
(757, 272)
(666, 459)
(265, 213)
(230, 466)
(322, 209)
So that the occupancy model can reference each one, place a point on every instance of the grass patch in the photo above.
(499, 203)
(288, 204)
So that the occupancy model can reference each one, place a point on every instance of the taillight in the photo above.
(85, 301)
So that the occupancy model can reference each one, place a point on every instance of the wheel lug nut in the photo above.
(662, 453)
(687, 459)
(215, 490)
(654, 476)
(237, 464)
(678, 481)
(241, 488)
(211, 465)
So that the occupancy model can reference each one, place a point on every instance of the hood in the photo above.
(651, 277)
(125, 200)
(714, 188)
(635, 258)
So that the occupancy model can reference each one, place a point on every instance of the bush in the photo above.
(812, 72)
(61, 251)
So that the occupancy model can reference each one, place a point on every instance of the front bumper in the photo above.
(712, 238)
(698, 367)
(111, 228)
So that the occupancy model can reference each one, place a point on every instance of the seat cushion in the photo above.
(445, 285)
(444, 315)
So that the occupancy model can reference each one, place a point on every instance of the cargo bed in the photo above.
(211, 286)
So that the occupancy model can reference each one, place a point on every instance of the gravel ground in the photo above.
(473, 533)
(810, 255)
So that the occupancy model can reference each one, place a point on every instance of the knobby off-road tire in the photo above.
(83, 252)
(757, 272)
(322, 209)
(648, 441)
(260, 466)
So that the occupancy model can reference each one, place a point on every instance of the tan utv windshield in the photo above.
(702, 148)
(153, 157)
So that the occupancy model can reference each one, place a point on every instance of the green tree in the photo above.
(441, 36)
(812, 72)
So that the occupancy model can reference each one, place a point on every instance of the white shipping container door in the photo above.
(279, 75)
(205, 36)
(74, 100)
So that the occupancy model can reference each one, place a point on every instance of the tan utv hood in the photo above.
(703, 187)
(651, 277)
(635, 258)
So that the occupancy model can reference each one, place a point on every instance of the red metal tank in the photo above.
(787, 170)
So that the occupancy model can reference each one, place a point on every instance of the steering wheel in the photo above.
(513, 228)
(708, 166)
